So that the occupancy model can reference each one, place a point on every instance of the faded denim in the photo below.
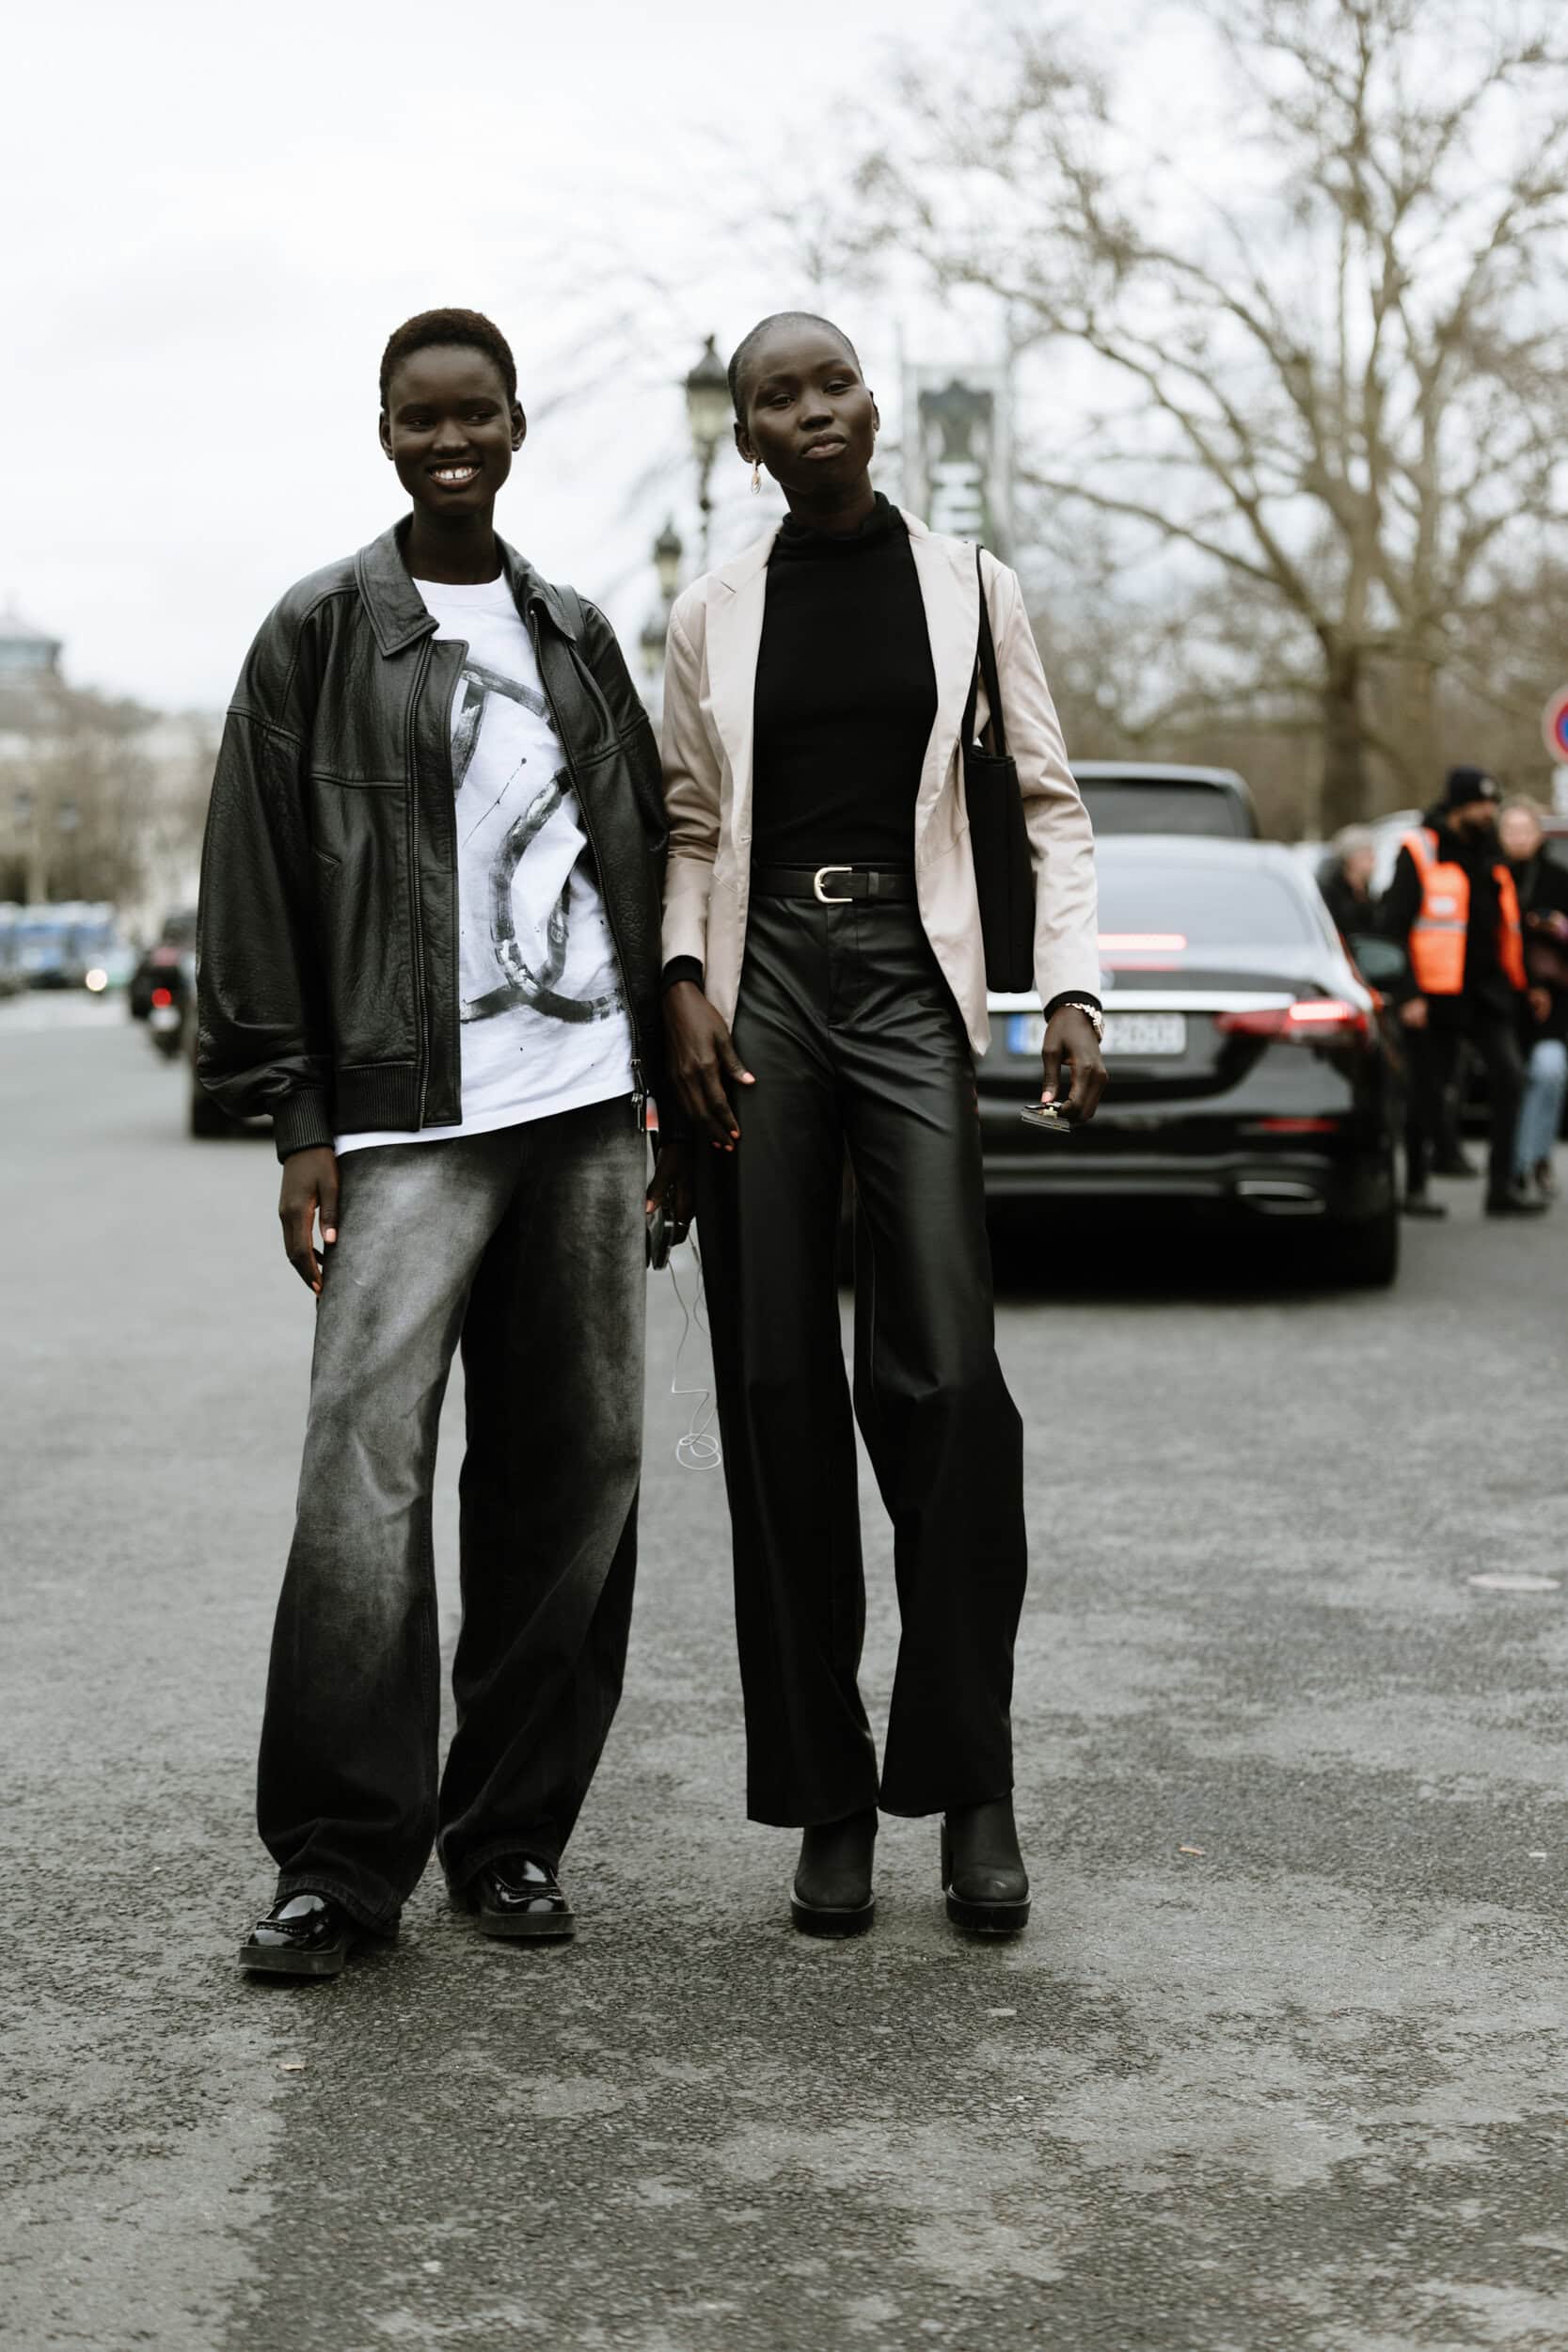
(1541, 1112)
(526, 1247)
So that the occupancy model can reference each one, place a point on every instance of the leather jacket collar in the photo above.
(398, 613)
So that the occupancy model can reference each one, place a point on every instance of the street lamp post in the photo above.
(668, 552)
(707, 410)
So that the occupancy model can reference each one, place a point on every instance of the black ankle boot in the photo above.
(982, 1870)
(833, 1880)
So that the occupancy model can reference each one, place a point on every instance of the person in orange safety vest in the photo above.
(1453, 908)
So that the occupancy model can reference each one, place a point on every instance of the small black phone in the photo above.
(660, 1238)
(1050, 1119)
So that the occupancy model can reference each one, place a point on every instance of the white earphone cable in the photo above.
(699, 1447)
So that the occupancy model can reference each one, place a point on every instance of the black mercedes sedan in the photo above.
(1249, 1067)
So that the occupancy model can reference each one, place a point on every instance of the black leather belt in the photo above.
(837, 886)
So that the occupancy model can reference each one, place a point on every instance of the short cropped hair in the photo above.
(747, 343)
(469, 330)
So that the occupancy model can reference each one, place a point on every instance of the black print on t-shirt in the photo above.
(520, 983)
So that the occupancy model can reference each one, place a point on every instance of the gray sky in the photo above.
(215, 214)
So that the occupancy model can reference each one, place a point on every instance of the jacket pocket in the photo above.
(364, 919)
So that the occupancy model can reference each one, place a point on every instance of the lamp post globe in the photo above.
(708, 411)
(651, 645)
(707, 400)
(668, 551)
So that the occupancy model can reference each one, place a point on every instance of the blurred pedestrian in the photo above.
(446, 1000)
(1345, 878)
(1543, 888)
(1453, 907)
(823, 931)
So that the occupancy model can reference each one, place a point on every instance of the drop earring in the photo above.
(757, 476)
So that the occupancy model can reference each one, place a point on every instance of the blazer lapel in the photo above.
(738, 595)
(950, 592)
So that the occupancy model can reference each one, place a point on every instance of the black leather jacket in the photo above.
(327, 944)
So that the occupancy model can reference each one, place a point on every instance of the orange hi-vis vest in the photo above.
(1438, 933)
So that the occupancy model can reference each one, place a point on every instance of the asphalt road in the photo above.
(1280, 2063)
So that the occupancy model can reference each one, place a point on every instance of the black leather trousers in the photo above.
(854, 1040)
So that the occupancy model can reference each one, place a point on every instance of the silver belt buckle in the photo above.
(823, 900)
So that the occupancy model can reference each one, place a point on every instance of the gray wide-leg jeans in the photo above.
(525, 1247)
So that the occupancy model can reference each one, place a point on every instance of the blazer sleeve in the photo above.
(1067, 905)
(692, 796)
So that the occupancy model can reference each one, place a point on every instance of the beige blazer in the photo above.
(709, 689)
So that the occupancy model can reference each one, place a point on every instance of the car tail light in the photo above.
(1292, 1127)
(1313, 1020)
(162, 996)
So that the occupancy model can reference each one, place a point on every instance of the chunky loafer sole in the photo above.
(819, 1919)
(539, 1927)
(269, 1960)
(987, 1918)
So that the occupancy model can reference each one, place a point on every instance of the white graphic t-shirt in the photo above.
(545, 1024)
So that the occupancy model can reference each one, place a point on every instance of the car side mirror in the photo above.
(1380, 962)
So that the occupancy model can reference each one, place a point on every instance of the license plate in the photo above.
(1138, 1033)
(164, 1017)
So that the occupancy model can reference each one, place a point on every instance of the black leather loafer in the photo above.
(302, 1935)
(983, 1875)
(520, 1896)
(833, 1895)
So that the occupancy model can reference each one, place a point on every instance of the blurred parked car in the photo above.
(10, 971)
(1249, 1066)
(65, 944)
(1139, 796)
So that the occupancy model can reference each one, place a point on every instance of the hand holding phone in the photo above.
(1050, 1118)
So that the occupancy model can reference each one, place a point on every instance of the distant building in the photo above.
(100, 798)
(28, 655)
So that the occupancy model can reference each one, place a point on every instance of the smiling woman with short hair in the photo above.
(824, 990)
(429, 949)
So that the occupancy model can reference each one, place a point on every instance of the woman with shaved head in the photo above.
(825, 991)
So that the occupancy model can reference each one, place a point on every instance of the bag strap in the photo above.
(985, 667)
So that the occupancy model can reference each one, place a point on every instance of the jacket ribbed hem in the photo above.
(381, 1094)
(377, 1096)
(302, 1122)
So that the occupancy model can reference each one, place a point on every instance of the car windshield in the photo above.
(1148, 906)
(1150, 804)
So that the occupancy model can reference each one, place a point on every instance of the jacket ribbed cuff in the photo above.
(302, 1122)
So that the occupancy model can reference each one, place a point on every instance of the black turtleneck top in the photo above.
(845, 698)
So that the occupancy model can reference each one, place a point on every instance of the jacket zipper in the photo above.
(416, 924)
(420, 681)
(639, 1083)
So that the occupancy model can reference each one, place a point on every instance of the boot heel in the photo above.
(1002, 1913)
(832, 1894)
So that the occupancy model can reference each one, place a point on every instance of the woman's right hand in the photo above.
(702, 1058)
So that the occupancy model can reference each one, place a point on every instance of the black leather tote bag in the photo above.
(998, 838)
